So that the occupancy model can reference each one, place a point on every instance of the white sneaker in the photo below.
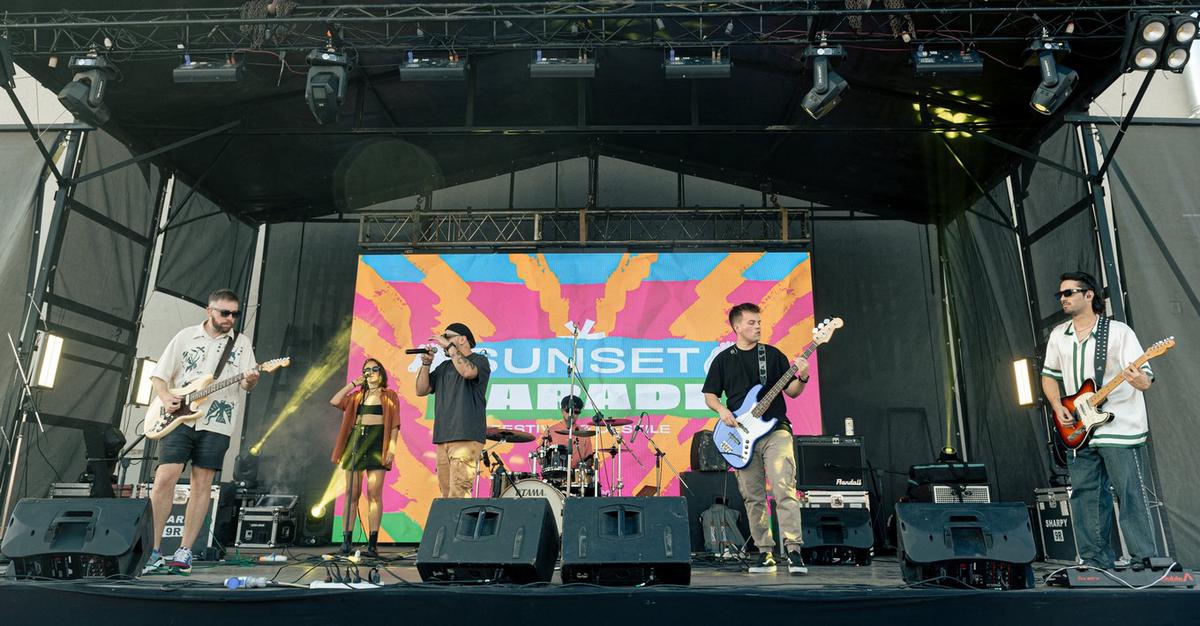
(154, 563)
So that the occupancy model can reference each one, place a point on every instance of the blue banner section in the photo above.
(483, 268)
(775, 267)
(685, 266)
(394, 268)
(585, 268)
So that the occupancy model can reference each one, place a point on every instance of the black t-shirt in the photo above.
(459, 406)
(734, 371)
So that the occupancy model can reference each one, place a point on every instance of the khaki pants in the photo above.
(774, 460)
(457, 463)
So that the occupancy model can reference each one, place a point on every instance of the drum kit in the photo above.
(557, 474)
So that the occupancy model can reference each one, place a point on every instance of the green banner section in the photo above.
(512, 399)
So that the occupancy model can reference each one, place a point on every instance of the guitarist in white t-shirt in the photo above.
(1114, 453)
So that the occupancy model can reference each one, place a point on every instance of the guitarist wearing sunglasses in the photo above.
(734, 371)
(1076, 350)
(194, 352)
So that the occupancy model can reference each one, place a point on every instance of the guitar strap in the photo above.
(1101, 349)
(224, 355)
(762, 364)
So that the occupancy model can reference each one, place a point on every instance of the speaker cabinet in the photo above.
(837, 536)
(830, 463)
(971, 545)
(626, 541)
(486, 540)
(72, 538)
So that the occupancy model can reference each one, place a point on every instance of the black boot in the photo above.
(348, 542)
(373, 545)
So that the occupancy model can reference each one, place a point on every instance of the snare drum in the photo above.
(533, 488)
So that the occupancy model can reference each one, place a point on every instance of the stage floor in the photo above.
(873, 594)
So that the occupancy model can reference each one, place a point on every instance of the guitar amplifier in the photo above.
(948, 482)
(830, 463)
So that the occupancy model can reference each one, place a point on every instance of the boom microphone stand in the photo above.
(659, 458)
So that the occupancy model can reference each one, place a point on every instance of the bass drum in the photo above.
(533, 488)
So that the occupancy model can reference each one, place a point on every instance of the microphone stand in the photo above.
(598, 419)
(659, 458)
(27, 404)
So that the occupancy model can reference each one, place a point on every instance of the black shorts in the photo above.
(203, 448)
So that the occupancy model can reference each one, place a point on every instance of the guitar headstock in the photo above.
(823, 331)
(1162, 346)
(274, 364)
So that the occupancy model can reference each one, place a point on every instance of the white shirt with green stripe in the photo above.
(1071, 362)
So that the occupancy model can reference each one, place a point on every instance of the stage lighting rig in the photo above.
(325, 88)
(715, 65)
(416, 68)
(1160, 42)
(84, 95)
(578, 66)
(828, 86)
(1057, 81)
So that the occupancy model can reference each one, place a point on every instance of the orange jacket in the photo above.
(349, 406)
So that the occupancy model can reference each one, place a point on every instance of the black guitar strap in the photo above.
(224, 355)
(762, 365)
(1101, 349)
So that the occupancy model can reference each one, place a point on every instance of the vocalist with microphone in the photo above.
(460, 413)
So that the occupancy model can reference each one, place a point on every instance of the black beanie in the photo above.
(462, 329)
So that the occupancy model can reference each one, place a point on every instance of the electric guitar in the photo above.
(159, 421)
(1085, 404)
(736, 444)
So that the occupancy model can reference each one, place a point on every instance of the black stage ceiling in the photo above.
(894, 144)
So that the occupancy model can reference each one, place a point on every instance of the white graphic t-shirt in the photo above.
(192, 353)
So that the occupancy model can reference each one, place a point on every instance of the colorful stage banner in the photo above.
(649, 324)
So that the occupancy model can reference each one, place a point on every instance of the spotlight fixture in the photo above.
(578, 66)
(828, 86)
(325, 88)
(143, 388)
(49, 352)
(715, 65)
(416, 68)
(1178, 49)
(1057, 81)
(84, 95)
(1148, 42)
(1024, 382)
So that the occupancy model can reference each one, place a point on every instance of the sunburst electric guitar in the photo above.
(736, 444)
(159, 421)
(1085, 404)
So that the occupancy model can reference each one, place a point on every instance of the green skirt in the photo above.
(364, 450)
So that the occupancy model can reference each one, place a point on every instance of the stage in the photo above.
(719, 593)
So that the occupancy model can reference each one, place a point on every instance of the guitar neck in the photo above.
(763, 404)
(1100, 396)
(219, 385)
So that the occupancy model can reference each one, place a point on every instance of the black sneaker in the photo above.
(795, 563)
(765, 564)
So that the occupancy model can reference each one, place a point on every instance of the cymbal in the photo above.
(505, 435)
(616, 421)
(578, 432)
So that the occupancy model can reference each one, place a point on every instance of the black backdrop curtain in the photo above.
(1154, 200)
(204, 248)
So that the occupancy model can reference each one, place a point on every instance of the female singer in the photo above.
(366, 443)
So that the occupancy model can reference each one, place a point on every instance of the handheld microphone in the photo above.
(425, 350)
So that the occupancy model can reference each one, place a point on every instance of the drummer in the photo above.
(571, 407)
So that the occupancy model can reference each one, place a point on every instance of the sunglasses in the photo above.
(1067, 293)
(227, 313)
(574, 412)
(449, 336)
(374, 369)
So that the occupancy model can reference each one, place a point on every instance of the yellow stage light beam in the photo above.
(329, 364)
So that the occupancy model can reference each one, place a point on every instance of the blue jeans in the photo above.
(1093, 470)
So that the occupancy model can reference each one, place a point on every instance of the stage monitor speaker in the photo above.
(830, 463)
(970, 545)
(626, 541)
(705, 457)
(487, 540)
(837, 536)
(71, 538)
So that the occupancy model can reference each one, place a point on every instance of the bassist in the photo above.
(734, 371)
(194, 352)
(1114, 453)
